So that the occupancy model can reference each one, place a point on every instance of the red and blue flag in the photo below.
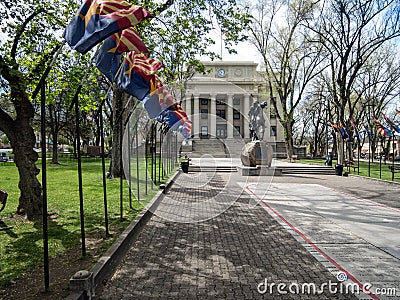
(344, 134)
(382, 129)
(98, 19)
(391, 124)
(109, 57)
(355, 128)
(137, 73)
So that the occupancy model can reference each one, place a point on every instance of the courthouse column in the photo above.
(188, 108)
(245, 113)
(213, 115)
(229, 112)
(196, 115)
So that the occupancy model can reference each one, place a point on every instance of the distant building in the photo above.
(219, 104)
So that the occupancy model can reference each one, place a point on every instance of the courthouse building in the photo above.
(218, 104)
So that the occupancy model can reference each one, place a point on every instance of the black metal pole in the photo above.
(394, 149)
(137, 161)
(146, 162)
(160, 159)
(129, 164)
(380, 166)
(78, 147)
(120, 171)
(369, 157)
(358, 156)
(155, 154)
(103, 167)
(44, 188)
(152, 151)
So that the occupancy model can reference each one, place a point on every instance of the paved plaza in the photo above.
(224, 236)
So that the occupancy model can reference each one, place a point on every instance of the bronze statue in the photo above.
(257, 121)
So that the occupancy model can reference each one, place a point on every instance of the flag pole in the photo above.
(392, 141)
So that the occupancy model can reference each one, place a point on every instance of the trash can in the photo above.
(185, 166)
(338, 170)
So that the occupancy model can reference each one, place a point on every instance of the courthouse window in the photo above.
(221, 113)
(204, 130)
(221, 102)
(236, 101)
(204, 101)
(236, 115)
(204, 113)
(273, 131)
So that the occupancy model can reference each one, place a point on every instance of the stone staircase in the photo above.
(307, 169)
(212, 147)
(224, 169)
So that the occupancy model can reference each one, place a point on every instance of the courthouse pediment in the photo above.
(207, 85)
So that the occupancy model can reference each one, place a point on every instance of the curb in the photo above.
(107, 264)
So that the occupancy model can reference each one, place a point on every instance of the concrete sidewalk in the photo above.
(208, 240)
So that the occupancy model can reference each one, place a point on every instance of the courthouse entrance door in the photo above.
(221, 131)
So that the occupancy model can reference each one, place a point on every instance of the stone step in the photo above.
(193, 168)
(307, 170)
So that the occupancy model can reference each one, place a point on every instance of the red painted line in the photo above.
(302, 235)
(366, 200)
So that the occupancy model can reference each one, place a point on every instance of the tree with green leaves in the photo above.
(28, 44)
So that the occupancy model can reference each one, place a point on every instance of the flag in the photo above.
(150, 102)
(355, 128)
(368, 132)
(176, 119)
(137, 71)
(98, 19)
(164, 96)
(334, 126)
(145, 66)
(109, 56)
(382, 129)
(344, 134)
(391, 124)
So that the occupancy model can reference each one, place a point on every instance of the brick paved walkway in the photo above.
(224, 257)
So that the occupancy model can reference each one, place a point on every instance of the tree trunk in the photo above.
(22, 139)
(120, 112)
(288, 133)
(54, 158)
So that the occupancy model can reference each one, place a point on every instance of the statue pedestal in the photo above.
(256, 153)
(256, 160)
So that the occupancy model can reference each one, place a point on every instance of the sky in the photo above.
(245, 51)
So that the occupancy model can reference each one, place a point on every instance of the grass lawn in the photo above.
(21, 248)
(379, 171)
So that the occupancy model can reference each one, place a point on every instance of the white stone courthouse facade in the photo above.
(218, 104)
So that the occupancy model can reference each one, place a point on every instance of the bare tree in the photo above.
(351, 31)
(291, 61)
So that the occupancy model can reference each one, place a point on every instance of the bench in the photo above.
(294, 157)
(351, 164)
(3, 199)
(394, 169)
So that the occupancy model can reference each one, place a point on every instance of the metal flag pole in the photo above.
(103, 167)
(129, 163)
(394, 149)
(78, 149)
(137, 161)
(44, 187)
(41, 86)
